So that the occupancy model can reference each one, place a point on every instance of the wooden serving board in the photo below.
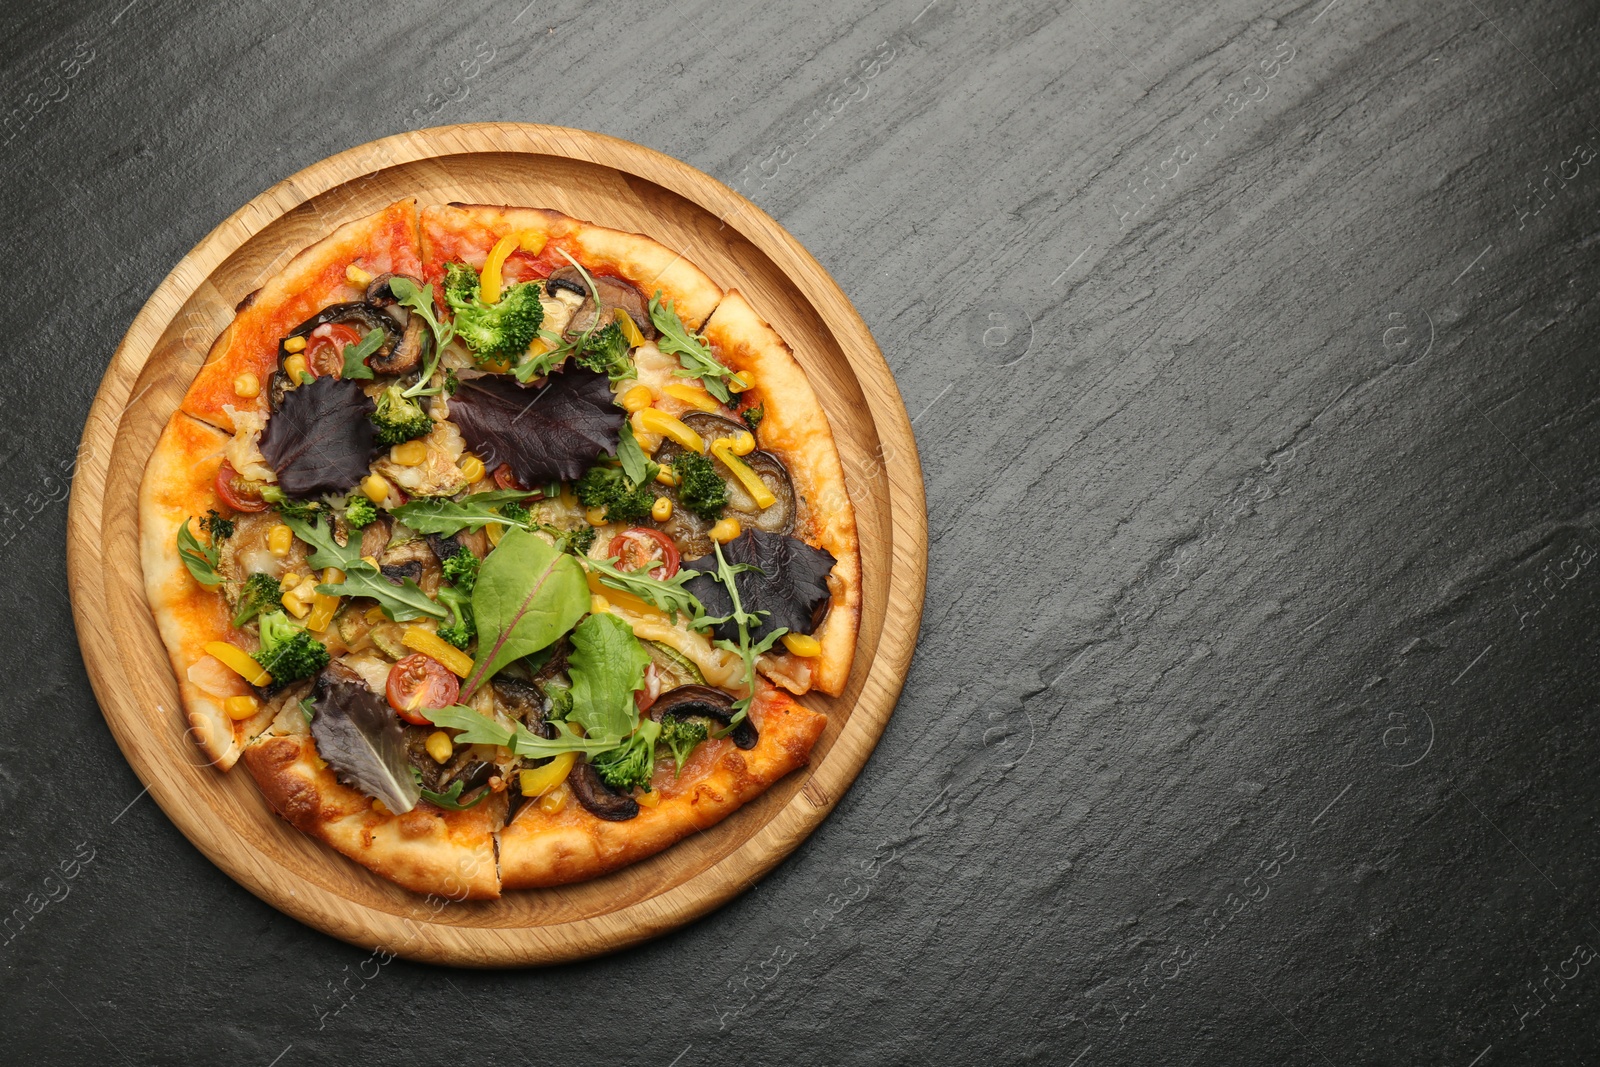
(588, 176)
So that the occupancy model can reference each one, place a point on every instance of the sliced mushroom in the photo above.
(702, 701)
(601, 800)
(614, 293)
(692, 532)
(379, 292)
(411, 559)
(524, 703)
(400, 350)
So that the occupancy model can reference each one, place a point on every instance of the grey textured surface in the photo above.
(1250, 352)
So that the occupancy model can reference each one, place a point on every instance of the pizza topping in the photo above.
(420, 681)
(361, 740)
(640, 547)
(545, 434)
(321, 440)
(690, 702)
(694, 355)
(322, 351)
(786, 583)
(287, 651)
(498, 332)
(397, 418)
(594, 314)
(527, 595)
(599, 798)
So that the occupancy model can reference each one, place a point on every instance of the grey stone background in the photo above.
(1250, 350)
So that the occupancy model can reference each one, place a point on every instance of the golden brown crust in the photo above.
(383, 242)
(427, 850)
(466, 232)
(795, 427)
(540, 849)
(177, 485)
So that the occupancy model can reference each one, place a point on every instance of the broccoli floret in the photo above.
(460, 283)
(461, 569)
(630, 765)
(260, 592)
(609, 488)
(287, 651)
(514, 511)
(360, 511)
(606, 351)
(299, 509)
(461, 630)
(559, 701)
(580, 540)
(398, 418)
(218, 527)
(499, 332)
(753, 416)
(700, 488)
(681, 735)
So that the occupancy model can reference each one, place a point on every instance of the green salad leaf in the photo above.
(400, 602)
(355, 356)
(202, 560)
(606, 666)
(440, 515)
(527, 595)
(694, 355)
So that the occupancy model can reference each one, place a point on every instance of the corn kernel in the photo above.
(295, 367)
(289, 581)
(666, 477)
(596, 516)
(294, 605)
(241, 707)
(803, 645)
(247, 385)
(598, 605)
(357, 277)
(738, 383)
(744, 443)
(409, 453)
(376, 488)
(554, 801)
(295, 344)
(661, 510)
(648, 799)
(440, 747)
(636, 399)
(279, 540)
(471, 468)
(379, 807)
(725, 530)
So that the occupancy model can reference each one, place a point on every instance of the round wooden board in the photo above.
(589, 176)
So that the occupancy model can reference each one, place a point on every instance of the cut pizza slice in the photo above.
(345, 270)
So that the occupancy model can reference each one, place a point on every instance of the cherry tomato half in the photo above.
(237, 492)
(418, 682)
(325, 348)
(639, 546)
(643, 698)
(505, 479)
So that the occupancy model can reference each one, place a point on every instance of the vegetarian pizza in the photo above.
(497, 545)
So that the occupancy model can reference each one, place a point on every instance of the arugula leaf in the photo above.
(450, 799)
(528, 594)
(355, 356)
(668, 594)
(202, 560)
(606, 666)
(727, 573)
(308, 708)
(445, 517)
(401, 603)
(477, 729)
(419, 300)
(634, 464)
(694, 355)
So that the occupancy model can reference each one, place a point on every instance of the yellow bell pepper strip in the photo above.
(659, 422)
(489, 279)
(239, 661)
(537, 781)
(695, 398)
(430, 644)
(621, 597)
(802, 645)
(322, 605)
(722, 448)
(630, 332)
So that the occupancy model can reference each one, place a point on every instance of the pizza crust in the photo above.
(795, 427)
(381, 243)
(466, 232)
(177, 485)
(427, 850)
(539, 849)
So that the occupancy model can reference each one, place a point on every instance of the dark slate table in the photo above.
(1249, 348)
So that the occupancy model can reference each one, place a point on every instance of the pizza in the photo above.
(498, 546)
